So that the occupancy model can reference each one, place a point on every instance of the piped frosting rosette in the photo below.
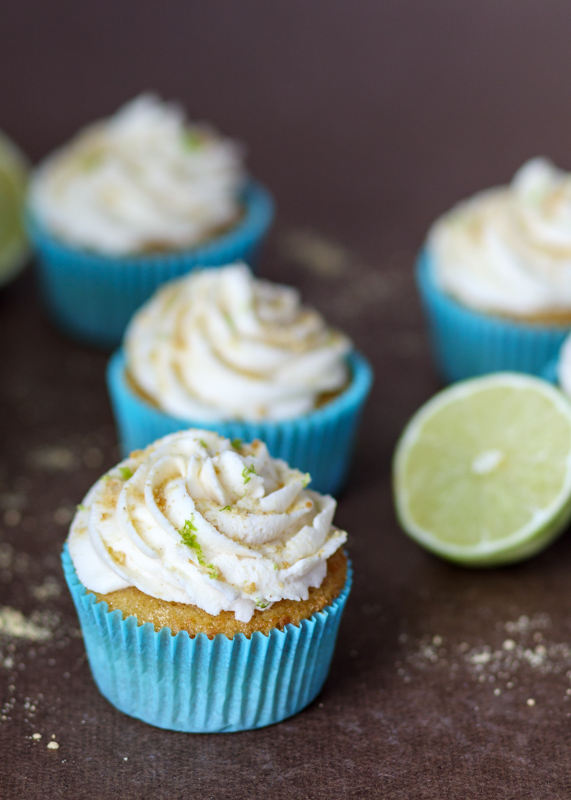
(221, 344)
(508, 250)
(196, 520)
(143, 179)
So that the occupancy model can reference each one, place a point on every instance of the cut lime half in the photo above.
(14, 250)
(482, 472)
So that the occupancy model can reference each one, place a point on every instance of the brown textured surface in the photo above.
(367, 119)
(181, 617)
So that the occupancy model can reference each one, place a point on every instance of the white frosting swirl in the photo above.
(141, 180)
(508, 250)
(193, 520)
(219, 344)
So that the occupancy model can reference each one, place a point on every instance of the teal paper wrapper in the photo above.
(320, 443)
(467, 343)
(92, 297)
(202, 685)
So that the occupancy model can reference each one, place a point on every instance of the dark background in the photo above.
(367, 119)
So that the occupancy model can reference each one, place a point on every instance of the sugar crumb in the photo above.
(53, 746)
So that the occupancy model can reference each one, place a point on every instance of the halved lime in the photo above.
(482, 472)
(14, 249)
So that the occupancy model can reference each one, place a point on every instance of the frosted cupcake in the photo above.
(132, 201)
(209, 584)
(495, 276)
(223, 350)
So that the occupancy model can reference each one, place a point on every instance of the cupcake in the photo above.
(131, 202)
(220, 349)
(495, 276)
(209, 583)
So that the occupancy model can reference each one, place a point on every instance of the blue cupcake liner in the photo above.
(320, 443)
(202, 685)
(91, 297)
(467, 343)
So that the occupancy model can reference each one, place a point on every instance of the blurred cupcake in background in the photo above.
(131, 202)
(209, 584)
(495, 276)
(223, 350)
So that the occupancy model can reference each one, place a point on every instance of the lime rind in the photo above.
(14, 247)
(532, 537)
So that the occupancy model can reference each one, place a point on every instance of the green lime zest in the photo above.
(91, 161)
(81, 507)
(226, 508)
(191, 140)
(125, 473)
(262, 603)
(247, 473)
(306, 480)
(188, 536)
(203, 443)
(236, 444)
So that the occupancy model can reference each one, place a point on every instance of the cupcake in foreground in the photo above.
(209, 583)
(495, 276)
(223, 350)
(131, 202)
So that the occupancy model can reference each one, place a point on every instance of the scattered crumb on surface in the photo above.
(14, 624)
(52, 459)
(47, 590)
(528, 649)
(53, 746)
(63, 515)
(315, 252)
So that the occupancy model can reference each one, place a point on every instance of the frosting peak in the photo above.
(219, 344)
(508, 249)
(193, 519)
(141, 180)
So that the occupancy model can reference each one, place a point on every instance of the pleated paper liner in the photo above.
(92, 297)
(467, 343)
(202, 685)
(320, 443)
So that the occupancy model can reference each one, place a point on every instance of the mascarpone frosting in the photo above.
(219, 344)
(142, 180)
(195, 520)
(508, 249)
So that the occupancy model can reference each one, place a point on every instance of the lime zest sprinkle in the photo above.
(191, 140)
(126, 473)
(230, 321)
(236, 444)
(306, 480)
(91, 161)
(212, 571)
(262, 603)
(203, 443)
(226, 508)
(81, 507)
(188, 536)
(247, 473)
(276, 567)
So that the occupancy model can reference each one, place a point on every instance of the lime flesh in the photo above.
(482, 473)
